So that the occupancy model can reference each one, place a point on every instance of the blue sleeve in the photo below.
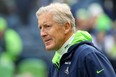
(97, 65)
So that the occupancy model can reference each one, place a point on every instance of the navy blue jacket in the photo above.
(83, 60)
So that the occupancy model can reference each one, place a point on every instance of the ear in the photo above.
(67, 27)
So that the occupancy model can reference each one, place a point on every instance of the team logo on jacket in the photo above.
(67, 70)
(67, 67)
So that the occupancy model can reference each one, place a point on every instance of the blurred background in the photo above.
(22, 52)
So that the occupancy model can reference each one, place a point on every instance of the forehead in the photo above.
(45, 18)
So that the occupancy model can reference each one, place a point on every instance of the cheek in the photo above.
(59, 38)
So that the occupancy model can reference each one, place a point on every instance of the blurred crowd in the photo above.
(22, 52)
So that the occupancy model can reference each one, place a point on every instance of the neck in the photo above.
(68, 35)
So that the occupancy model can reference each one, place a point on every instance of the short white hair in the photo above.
(61, 13)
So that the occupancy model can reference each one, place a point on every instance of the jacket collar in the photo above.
(79, 37)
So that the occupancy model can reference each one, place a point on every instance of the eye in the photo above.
(40, 27)
(48, 26)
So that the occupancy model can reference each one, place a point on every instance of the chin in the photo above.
(50, 48)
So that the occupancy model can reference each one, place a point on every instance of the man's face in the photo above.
(52, 33)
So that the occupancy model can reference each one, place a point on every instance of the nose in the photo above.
(43, 33)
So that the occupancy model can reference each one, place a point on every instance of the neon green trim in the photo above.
(56, 59)
(81, 36)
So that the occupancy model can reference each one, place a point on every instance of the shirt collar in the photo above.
(65, 46)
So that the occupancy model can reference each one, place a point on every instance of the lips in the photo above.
(47, 41)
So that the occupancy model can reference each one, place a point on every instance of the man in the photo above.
(75, 54)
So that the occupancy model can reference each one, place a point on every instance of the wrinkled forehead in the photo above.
(45, 18)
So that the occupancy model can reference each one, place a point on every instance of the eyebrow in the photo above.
(45, 23)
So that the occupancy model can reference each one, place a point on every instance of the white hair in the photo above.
(61, 13)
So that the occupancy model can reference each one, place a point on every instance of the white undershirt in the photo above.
(65, 46)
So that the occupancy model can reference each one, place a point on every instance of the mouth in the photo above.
(47, 41)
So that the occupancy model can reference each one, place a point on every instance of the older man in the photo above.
(75, 54)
